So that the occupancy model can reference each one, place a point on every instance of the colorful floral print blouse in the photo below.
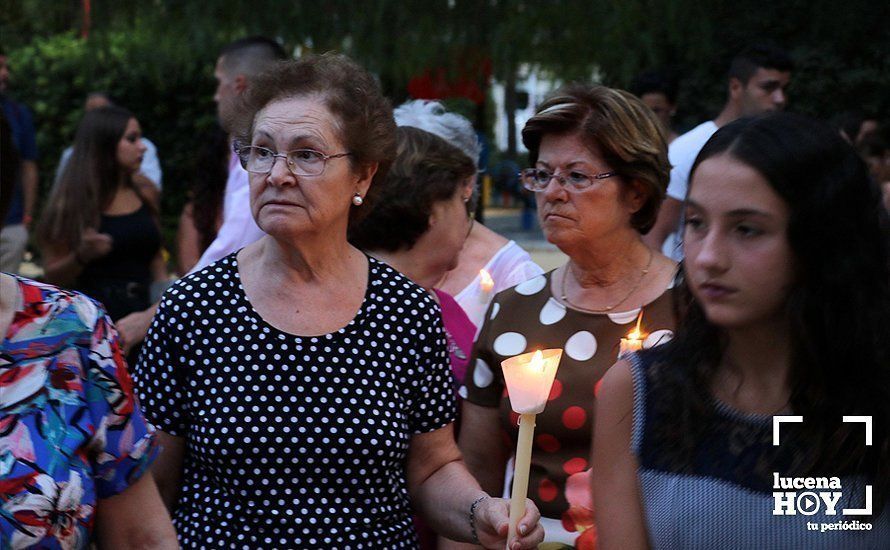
(71, 431)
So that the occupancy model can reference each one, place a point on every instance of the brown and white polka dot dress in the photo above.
(528, 317)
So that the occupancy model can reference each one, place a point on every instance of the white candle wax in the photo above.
(486, 286)
(529, 378)
(634, 339)
(521, 468)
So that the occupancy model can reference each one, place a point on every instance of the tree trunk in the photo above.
(510, 109)
(87, 19)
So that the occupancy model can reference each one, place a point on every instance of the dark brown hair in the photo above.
(363, 116)
(209, 186)
(838, 309)
(89, 181)
(624, 130)
(427, 170)
(759, 56)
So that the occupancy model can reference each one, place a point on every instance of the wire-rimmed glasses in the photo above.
(301, 162)
(537, 179)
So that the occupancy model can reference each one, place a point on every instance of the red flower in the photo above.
(587, 540)
(15, 485)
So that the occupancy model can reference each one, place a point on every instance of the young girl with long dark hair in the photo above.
(98, 233)
(786, 311)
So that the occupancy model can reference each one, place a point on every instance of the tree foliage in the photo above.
(842, 51)
(156, 56)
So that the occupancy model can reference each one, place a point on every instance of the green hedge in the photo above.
(169, 90)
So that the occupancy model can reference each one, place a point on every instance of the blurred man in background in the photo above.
(14, 235)
(758, 78)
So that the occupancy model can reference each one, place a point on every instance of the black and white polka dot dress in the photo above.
(294, 442)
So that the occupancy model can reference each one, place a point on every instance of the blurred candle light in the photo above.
(486, 286)
(528, 377)
(634, 339)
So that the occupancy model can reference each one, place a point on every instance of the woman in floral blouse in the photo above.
(74, 447)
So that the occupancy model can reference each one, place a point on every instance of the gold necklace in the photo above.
(565, 298)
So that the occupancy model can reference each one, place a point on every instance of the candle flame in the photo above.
(537, 362)
(636, 334)
(487, 283)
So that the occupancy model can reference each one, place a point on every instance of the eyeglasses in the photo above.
(301, 162)
(535, 179)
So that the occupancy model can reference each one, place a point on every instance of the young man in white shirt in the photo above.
(758, 78)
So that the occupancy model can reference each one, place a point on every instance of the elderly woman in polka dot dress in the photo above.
(301, 388)
(599, 174)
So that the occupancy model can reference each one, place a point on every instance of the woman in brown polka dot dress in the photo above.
(599, 174)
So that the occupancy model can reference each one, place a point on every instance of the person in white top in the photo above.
(505, 261)
(237, 65)
(758, 78)
(238, 228)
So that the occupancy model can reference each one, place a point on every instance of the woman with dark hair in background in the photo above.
(786, 311)
(202, 215)
(75, 446)
(98, 233)
(420, 220)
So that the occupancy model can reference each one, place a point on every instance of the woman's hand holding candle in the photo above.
(492, 524)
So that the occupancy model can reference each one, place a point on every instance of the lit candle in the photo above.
(486, 286)
(634, 340)
(528, 377)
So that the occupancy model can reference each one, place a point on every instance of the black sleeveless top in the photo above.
(121, 279)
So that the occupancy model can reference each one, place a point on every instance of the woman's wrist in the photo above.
(474, 536)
